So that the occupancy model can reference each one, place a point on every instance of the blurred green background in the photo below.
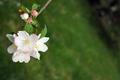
(76, 51)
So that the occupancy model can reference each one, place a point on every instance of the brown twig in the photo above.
(45, 6)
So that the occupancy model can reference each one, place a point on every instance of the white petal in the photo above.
(21, 57)
(42, 47)
(34, 38)
(18, 42)
(10, 37)
(26, 58)
(35, 54)
(44, 39)
(39, 36)
(23, 34)
(15, 56)
(11, 49)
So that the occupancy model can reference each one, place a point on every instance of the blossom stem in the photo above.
(45, 6)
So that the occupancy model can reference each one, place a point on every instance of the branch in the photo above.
(45, 6)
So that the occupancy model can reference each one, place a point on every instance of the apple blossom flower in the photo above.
(34, 13)
(24, 16)
(26, 45)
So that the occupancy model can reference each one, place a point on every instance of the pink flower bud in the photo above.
(29, 20)
(34, 13)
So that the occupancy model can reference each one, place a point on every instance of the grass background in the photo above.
(76, 52)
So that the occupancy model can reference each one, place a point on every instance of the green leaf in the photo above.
(27, 10)
(44, 32)
(35, 23)
(28, 28)
(35, 6)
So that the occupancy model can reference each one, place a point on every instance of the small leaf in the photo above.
(28, 28)
(35, 6)
(27, 10)
(44, 32)
(35, 23)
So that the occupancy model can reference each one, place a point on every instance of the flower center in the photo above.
(26, 42)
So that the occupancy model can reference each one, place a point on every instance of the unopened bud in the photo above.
(34, 13)
(29, 20)
(24, 16)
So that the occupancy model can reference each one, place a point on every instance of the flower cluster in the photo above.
(26, 43)
(29, 18)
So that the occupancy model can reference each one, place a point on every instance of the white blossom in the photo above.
(26, 45)
(24, 16)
